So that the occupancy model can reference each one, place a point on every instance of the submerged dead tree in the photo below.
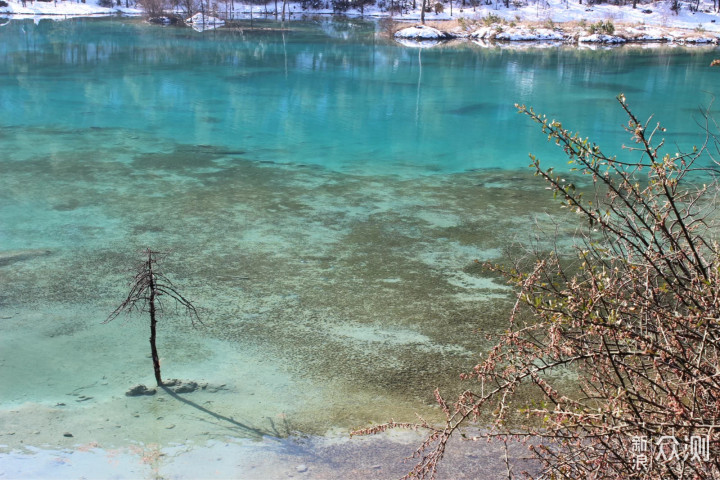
(148, 286)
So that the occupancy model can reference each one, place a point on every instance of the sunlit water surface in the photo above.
(323, 192)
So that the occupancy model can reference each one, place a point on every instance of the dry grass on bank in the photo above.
(470, 25)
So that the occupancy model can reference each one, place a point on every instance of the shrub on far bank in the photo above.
(607, 27)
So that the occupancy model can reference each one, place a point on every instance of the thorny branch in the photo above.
(634, 319)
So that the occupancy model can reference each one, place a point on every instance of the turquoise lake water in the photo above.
(323, 192)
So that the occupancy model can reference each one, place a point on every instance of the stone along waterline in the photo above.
(323, 191)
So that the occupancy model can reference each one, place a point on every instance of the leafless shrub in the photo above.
(635, 316)
(153, 8)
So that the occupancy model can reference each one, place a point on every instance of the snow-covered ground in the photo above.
(557, 11)
(65, 8)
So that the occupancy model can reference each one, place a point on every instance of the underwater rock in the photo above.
(301, 468)
(140, 390)
(213, 388)
(12, 256)
(186, 387)
(179, 386)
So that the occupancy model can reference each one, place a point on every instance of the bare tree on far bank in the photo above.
(153, 8)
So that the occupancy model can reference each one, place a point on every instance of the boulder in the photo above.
(600, 38)
(483, 32)
(421, 32)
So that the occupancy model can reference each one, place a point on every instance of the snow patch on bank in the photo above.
(527, 34)
(420, 32)
(601, 38)
(65, 8)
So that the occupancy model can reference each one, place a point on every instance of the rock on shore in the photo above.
(422, 32)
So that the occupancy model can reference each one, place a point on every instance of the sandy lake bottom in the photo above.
(329, 301)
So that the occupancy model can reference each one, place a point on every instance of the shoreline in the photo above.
(556, 34)
(553, 20)
(410, 33)
(380, 456)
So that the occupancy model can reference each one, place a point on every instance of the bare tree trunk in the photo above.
(153, 336)
(153, 324)
(422, 13)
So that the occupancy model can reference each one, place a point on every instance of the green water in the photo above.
(323, 193)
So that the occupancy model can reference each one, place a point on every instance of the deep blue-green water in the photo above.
(333, 94)
(323, 193)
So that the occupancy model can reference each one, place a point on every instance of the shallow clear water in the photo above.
(323, 193)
